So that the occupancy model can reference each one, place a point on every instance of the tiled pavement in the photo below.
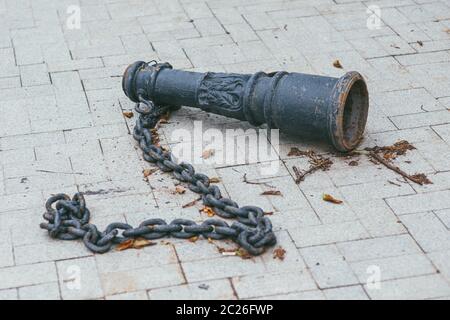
(62, 129)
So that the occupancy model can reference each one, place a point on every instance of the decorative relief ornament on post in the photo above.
(298, 104)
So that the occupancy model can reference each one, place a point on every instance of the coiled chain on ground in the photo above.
(68, 219)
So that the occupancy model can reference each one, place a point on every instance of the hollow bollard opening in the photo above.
(349, 117)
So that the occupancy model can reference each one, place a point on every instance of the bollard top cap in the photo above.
(129, 80)
(348, 111)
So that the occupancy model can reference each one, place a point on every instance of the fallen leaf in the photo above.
(155, 136)
(268, 213)
(330, 198)
(148, 172)
(125, 245)
(207, 153)
(279, 253)
(421, 178)
(214, 180)
(208, 210)
(337, 64)
(180, 189)
(193, 239)
(271, 193)
(420, 43)
(243, 253)
(141, 242)
(135, 244)
(225, 251)
(447, 30)
(128, 114)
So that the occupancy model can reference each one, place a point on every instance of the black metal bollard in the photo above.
(297, 104)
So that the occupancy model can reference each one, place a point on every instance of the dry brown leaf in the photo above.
(329, 198)
(125, 245)
(337, 64)
(128, 114)
(207, 153)
(148, 172)
(421, 178)
(141, 242)
(214, 180)
(135, 244)
(271, 193)
(208, 210)
(447, 30)
(420, 43)
(268, 213)
(243, 254)
(180, 189)
(193, 239)
(279, 253)
(155, 136)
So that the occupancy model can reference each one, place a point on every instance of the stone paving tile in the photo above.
(420, 202)
(45, 291)
(328, 266)
(6, 254)
(8, 294)
(62, 86)
(430, 286)
(136, 295)
(440, 260)
(19, 276)
(207, 290)
(429, 232)
(129, 280)
(79, 279)
(346, 293)
(225, 267)
(328, 233)
(394, 267)
(272, 283)
(378, 219)
(302, 295)
(444, 216)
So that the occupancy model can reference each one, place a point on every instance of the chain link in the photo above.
(68, 219)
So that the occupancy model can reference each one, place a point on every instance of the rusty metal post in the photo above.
(298, 104)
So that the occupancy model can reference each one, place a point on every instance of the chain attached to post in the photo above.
(69, 219)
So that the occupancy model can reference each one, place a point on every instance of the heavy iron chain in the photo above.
(69, 220)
